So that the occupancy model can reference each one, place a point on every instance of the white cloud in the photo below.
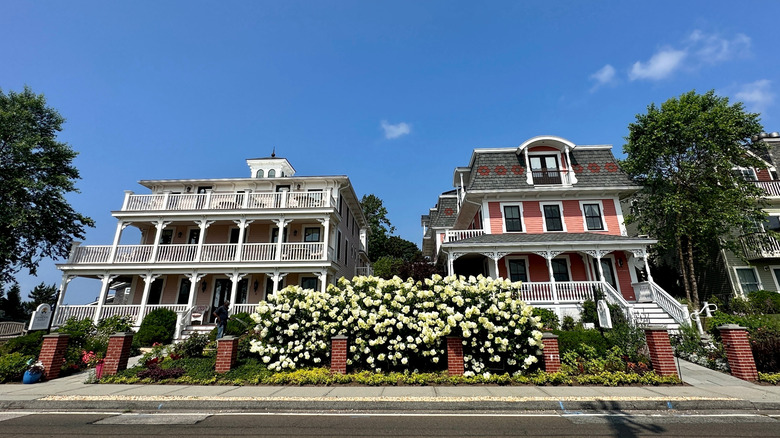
(757, 95)
(711, 48)
(661, 65)
(395, 131)
(604, 76)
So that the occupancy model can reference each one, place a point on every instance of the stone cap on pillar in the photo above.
(549, 335)
(339, 337)
(56, 335)
(731, 327)
(123, 334)
(227, 338)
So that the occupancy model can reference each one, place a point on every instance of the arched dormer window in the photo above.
(271, 173)
(259, 174)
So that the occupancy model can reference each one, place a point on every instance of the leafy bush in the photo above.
(28, 345)
(688, 345)
(156, 374)
(568, 323)
(157, 327)
(764, 302)
(765, 343)
(192, 346)
(548, 318)
(589, 313)
(629, 338)
(12, 366)
(575, 339)
(80, 331)
(401, 325)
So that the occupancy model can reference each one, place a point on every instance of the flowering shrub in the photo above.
(396, 324)
(91, 359)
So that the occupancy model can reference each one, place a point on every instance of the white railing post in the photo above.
(126, 202)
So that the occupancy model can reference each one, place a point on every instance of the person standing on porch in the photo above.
(222, 315)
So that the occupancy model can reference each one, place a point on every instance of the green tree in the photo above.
(41, 294)
(11, 305)
(36, 172)
(684, 155)
(379, 226)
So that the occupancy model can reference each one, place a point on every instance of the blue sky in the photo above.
(393, 94)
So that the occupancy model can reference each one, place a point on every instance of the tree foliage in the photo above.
(36, 172)
(379, 226)
(11, 305)
(684, 154)
(41, 294)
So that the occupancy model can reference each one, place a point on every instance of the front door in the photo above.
(184, 292)
(155, 291)
(194, 236)
(609, 272)
(221, 294)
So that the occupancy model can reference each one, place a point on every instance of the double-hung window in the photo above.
(560, 270)
(311, 234)
(512, 220)
(517, 270)
(552, 217)
(593, 219)
(748, 280)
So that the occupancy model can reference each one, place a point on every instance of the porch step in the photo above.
(190, 330)
(653, 314)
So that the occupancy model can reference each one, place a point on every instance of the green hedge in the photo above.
(157, 327)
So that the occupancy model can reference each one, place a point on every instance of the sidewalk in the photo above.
(708, 390)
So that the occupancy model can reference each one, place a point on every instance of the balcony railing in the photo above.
(760, 246)
(564, 291)
(220, 252)
(550, 176)
(228, 201)
(455, 235)
(772, 188)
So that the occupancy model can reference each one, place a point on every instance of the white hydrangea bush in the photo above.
(395, 324)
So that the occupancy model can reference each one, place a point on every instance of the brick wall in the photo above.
(738, 351)
(455, 356)
(661, 354)
(118, 353)
(552, 357)
(338, 354)
(227, 353)
(53, 354)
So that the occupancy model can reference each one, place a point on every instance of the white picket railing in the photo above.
(302, 251)
(228, 201)
(455, 235)
(243, 308)
(564, 291)
(133, 253)
(65, 312)
(218, 252)
(772, 188)
(91, 254)
(364, 271)
(616, 298)
(177, 253)
(670, 305)
(258, 252)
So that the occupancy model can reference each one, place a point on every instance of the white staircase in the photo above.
(203, 329)
(652, 314)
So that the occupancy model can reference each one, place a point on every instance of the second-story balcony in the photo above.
(772, 188)
(455, 235)
(550, 177)
(228, 201)
(208, 253)
(760, 246)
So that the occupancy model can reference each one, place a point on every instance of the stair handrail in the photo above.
(616, 298)
(678, 312)
(183, 319)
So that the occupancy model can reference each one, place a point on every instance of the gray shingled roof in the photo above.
(446, 212)
(506, 170)
(510, 238)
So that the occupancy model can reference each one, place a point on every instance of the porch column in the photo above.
(242, 224)
(281, 224)
(323, 281)
(61, 295)
(234, 277)
(105, 280)
(117, 237)
(160, 225)
(194, 279)
(573, 177)
(549, 256)
(325, 236)
(277, 277)
(202, 224)
(647, 268)
(148, 279)
(450, 264)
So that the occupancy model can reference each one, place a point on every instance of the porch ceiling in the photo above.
(518, 241)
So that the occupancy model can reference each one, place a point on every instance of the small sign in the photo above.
(605, 319)
(40, 318)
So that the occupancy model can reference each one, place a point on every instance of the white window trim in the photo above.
(585, 221)
(739, 284)
(752, 170)
(527, 266)
(544, 219)
(503, 218)
(303, 231)
(558, 154)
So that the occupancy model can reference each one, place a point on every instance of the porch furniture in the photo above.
(10, 329)
(200, 314)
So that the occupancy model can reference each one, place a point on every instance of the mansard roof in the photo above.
(446, 210)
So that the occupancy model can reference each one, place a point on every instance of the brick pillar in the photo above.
(455, 356)
(118, 353)
(661, 354)
(338, 354)
(552, 356)
(227, 353)
(738, 351)
(53, 354)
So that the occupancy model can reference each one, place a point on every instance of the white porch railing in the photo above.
(218, 252)
(129, 253)
(243, 308)
(670, 305)
(364, 271)
(228, 201)
(760, 246)
(92, 254)
(258, 252)
(65, 312)
(177, 253)
(616, 298)
(455, 235)
(772, 188)
(564, 291)
(302, 251)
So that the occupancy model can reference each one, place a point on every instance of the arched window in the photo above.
(271, 173)
(259, 173)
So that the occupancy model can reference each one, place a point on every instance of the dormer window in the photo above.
(272, 173)
(260, 173)
(545, 169)
(747, 173)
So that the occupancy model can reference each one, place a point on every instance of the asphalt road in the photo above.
(407, 424)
